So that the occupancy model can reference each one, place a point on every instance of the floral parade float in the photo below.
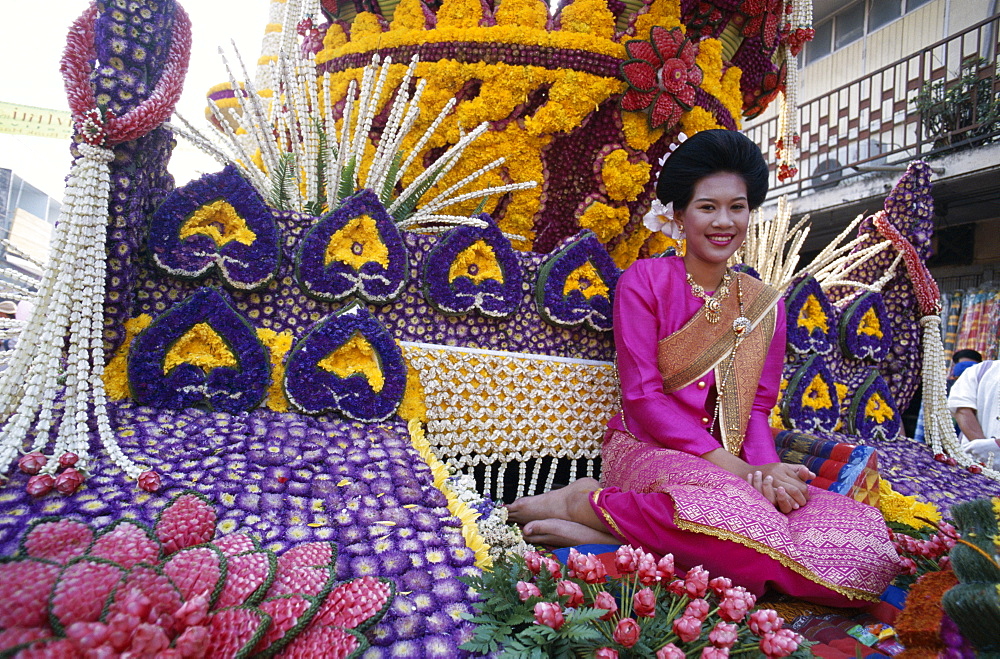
(267, 380)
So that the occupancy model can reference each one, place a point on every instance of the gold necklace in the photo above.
(740, 327)
(713, 303)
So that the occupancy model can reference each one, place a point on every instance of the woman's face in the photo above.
(715, 221)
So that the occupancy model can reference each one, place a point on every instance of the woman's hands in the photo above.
(782, 484)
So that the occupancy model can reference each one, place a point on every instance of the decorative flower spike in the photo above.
(662, 75)
(200, 351)
(217, 221)
(349, 364)
(576, 285)
(473, 270)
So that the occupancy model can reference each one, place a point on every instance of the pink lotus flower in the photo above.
(687, 628)
(780, 643)
(647, 571)
(32, 463)
(549, 614)
(527, 590)
(697, 609)
(644, 603)
(40, 485)
(572, 590)
(670, 651)
(68, 459)
(606, 653)
(724, 635)
(735, 604)
(586, 567)
(68, 481)
(677, 587)
(554, 567)
(606, 601)
(909, 566)
(665, 567)
(149, 481)
(765, 620)
(696, 581)
(626, 560)
(720, 585)
(712, 652)
(627, 632)
(533, 561)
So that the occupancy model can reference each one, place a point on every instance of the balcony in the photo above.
(940, 101)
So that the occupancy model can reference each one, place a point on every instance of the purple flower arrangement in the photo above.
(872, 412)
(810, 402)
(376, 267)
(576, 285)
(217, 221)
(811, 319)
(864, 329)
(348, 363)
(236, 382)
(287, 480)
(473, 270)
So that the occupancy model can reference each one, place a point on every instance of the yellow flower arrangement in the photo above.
(458, 508)
(588, 17)
(696, 120)
(413, 405)
(356, 356)
(200, 346)
(356, 244)
(661, 12)
(587, 280)
(638, 134)
(623, 180)
(278, 345)
(115, 374)
(817, 394)
(902, 509)
(812, 316)
(626, 252)
(605, 221)
(878, 409)
(775, 420)
(478, 262)
(219, 221)
(870, 325)
(530, 14)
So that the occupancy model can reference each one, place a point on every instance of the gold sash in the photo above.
(709, 344)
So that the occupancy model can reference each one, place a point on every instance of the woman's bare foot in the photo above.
(551, 505)
(561, 533)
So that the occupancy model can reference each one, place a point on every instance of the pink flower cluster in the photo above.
(931, 553)
(712, 608)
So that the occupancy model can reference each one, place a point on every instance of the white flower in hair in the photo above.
(661, 216)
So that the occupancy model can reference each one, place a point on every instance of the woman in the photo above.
(689, 466)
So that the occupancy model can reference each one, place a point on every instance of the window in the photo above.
(881, 12)
(913, 4)
(821, 42)
(850, 25)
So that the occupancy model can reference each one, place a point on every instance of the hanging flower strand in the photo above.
(62, 344)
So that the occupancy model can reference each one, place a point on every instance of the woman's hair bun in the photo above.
(710, 152)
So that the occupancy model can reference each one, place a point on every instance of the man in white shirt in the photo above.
(974, 401)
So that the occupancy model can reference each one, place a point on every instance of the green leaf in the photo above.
(281, 180)
(390, 179)
(346, 188)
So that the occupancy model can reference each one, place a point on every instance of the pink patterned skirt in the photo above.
(834, 550)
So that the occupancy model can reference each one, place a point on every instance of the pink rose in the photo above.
(606, 601)
(572, 590)
(627, 632)
(765, 620)
(670, 651)
(32, 463)
(665, 567)
(549, 614)
(644, 603)
(720, 585)
(712, 652)
(697, 609)
(606, 653)
(527, 590)
(780, 643)
(687, 628)
(533, 561)
(626, 560)
(724, 635)
(647, 570)
(554, 568)
(696, 581)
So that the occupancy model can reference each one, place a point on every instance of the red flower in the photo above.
(720, 585)
(606, 601)
(627, 632)
(549, 614)
(149, 481)
(526, 590)
(662, 75)
(32, 463)
(40, 484)
(647, 572)
(734, 607)
(552, 565)
(572, 590)
(68, 481)
(626, 559)
(762, 19)
(644, 603)
(687, 628)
